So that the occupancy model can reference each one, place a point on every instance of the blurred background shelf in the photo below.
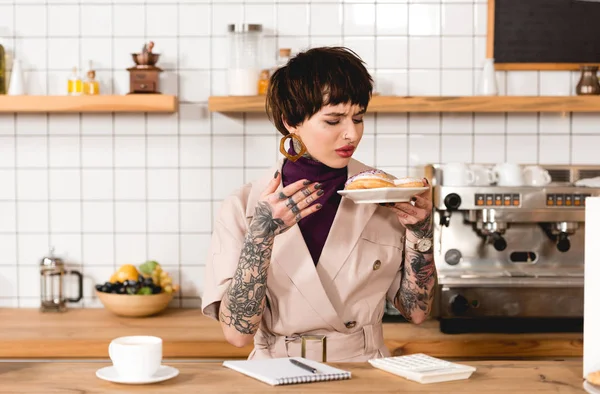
(401, 104)
(78, 104)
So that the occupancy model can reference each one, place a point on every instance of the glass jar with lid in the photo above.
(244, 66)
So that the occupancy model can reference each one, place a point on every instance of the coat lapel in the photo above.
(349, 222)
(292, 255)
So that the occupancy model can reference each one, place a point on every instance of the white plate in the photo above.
(164, 373)
(590, 388)
(382, 194)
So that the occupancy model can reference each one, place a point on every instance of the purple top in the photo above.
(316, 226)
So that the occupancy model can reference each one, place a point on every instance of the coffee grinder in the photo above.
(144, 76)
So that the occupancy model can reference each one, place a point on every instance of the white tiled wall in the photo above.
(106, 190)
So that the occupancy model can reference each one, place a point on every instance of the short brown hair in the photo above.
(313, 79)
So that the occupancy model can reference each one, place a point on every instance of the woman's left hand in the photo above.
(415, 215)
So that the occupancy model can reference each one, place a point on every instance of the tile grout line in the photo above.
(146, 144)
(81, 214)
(178, 136)
(114, 145)
(16, 182)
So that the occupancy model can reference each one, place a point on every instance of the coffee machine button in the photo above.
(452, 201)
(453, 256)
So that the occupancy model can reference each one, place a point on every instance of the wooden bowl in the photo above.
(135, 305)
(145, 59)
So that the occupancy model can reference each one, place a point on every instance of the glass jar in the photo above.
(244, 67)
(588, 82)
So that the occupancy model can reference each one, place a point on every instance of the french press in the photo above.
(53, 272)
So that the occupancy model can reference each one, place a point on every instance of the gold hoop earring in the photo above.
(285, 153)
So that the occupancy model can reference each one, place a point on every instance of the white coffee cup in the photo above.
(136, 357)
(509, 174)
(484, 176)
(536, 176)
(458, 174)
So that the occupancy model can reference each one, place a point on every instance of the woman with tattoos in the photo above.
(289, 257)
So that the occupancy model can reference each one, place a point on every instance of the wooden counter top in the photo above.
(86, 333)
(198, 377)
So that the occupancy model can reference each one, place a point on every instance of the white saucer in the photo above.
(590, 388)
(164, 373)
(382, 195)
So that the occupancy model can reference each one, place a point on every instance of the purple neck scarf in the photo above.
(315, 228)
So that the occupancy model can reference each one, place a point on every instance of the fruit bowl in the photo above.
(135, 305)
(137, 292)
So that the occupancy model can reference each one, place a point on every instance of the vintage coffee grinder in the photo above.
(52, 274)
(144, 76)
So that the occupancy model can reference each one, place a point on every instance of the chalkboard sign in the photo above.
(543, 34)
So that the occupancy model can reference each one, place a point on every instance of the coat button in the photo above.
(350, 324)
(376, 265)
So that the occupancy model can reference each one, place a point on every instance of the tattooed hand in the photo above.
(278, 211)
(416, 217)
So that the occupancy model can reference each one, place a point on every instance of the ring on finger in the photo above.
(298, 216)
(290, 202)
(306, 192)
(295, 209)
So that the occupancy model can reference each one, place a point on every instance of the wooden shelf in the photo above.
(400, 104)
(100, 103)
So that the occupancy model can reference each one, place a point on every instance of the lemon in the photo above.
(125, 272)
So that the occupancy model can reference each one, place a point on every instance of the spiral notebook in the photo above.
(280, 371)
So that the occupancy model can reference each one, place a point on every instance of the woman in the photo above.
(289, 257)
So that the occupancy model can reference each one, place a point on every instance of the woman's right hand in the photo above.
(278, 211)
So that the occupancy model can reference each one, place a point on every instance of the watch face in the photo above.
(424, 245)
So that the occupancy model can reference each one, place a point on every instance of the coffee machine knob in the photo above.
(459, 305)
(563, 244)
(452, 201)
(499, 242)
(453, 256)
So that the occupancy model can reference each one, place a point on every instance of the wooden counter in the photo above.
(86, 333)
(198, 377)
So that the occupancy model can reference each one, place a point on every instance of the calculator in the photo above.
(423, 368)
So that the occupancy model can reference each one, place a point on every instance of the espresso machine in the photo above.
(511, 258)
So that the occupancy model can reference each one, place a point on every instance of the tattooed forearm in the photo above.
(244, 301)
(415, 296)
(422, 229)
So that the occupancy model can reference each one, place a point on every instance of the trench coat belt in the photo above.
(340, 345)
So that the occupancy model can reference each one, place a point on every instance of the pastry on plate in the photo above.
(594, 378)
(409, 182)
(373, 179)
(370, 179)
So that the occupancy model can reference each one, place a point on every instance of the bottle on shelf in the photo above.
(75, 85)
(2, 70)
(16, 86)
(91, 86)
(263, 82)
(284, 57)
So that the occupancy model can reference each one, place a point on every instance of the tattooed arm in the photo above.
(242, 305)
(415, 296)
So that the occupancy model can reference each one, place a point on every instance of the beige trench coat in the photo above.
(342, 297)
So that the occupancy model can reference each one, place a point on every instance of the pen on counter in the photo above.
(303, 366)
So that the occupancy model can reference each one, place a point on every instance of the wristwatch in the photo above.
(422, 245)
